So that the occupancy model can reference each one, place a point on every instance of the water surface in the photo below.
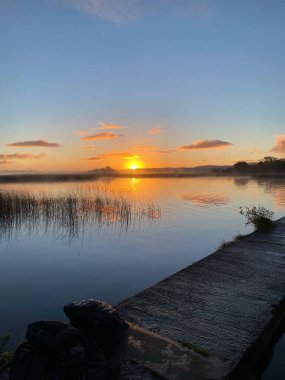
(41, 271)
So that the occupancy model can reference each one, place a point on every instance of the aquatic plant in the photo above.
(69, 214)
(259, 217)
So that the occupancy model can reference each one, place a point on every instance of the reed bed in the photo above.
(69, 214)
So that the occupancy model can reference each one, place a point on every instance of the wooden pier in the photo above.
(229, 304)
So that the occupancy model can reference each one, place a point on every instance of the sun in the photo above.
(133, 166)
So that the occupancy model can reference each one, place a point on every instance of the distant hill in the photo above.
(175, 171)
(16, 172)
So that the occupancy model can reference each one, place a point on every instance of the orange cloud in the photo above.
(279, 146)
(206, 144)
(145, 147)
(34, 143)
(106, 156)
(155, 131)
(101, 136)
(5, 162)
(21, 156)
(167, 151)
(81, 133)
(109, 126)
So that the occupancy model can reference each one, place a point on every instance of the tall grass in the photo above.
(69, 214)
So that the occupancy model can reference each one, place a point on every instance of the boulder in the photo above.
(53, 352)
(71, 363)
(98, 320)
(51, 336)
(102, 330)
(87, 349)
(28, 364)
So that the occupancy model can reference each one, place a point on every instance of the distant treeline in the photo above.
(268, 166)
(66, 177)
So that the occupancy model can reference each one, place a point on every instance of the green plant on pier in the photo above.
(259, 217)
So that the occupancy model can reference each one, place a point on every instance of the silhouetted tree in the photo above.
(241, 167)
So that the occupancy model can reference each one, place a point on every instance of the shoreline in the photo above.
(43, 178)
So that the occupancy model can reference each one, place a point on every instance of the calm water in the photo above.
(40, 271)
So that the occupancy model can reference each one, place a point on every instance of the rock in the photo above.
(58, 351)
(98, 366)
(60, 345)
(70, 364)
(52, 336)
(28, 364)
(102, 330)
(98, 319)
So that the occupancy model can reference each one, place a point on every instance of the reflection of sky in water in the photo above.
(39, 272)
(206, 200)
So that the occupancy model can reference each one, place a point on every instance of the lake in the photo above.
(42, 269)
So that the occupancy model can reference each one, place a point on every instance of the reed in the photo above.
(69, 214)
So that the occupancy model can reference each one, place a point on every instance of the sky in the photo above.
(147, 83)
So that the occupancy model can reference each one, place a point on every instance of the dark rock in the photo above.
(52, 336)
(70, 364)
(54, 346)
(28, 364)
(58, 351)
(102, 330)
(97, 366)
(99, 320)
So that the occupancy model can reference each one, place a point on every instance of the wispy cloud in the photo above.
(167, 151)
(5, 162)
(118, 11)
(155, 131)
(206, 144)
(81, 133)
(19, 156)
(279, 146)
(109, 126)
(34, 143)
(129, 11)
(101, 136)
(106, 156)
(145, 147)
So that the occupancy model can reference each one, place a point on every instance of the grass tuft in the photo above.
(236, 238)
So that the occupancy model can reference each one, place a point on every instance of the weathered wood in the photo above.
(224, 302)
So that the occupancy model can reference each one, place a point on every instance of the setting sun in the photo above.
(135, 165)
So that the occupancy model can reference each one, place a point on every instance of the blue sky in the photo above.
(192, 70)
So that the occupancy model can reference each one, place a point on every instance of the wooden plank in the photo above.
(223, 302)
